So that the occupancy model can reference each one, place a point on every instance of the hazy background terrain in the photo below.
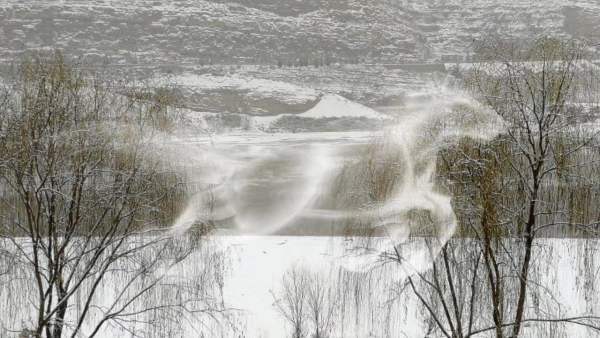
(232, 59)
(288, 31)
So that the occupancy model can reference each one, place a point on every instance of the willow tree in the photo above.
(535, 90)
(538, 178)
(84, 197)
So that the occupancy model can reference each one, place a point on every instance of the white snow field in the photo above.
(258, 263)
(369, 304)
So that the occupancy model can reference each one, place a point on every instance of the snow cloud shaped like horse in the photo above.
(263, 188)
(428, 121)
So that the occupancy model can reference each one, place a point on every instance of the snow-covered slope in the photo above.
(332, 113)
(338, 106)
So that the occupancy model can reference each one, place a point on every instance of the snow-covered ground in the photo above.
(566, 274)
(258, 264)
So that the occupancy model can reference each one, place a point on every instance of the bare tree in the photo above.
(84, 198)
(514, 189)
(322, 303)
(532, 91)
(291, 302)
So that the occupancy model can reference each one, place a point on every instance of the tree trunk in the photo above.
(529, 237)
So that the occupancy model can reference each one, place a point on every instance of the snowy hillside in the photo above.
(284, 32)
